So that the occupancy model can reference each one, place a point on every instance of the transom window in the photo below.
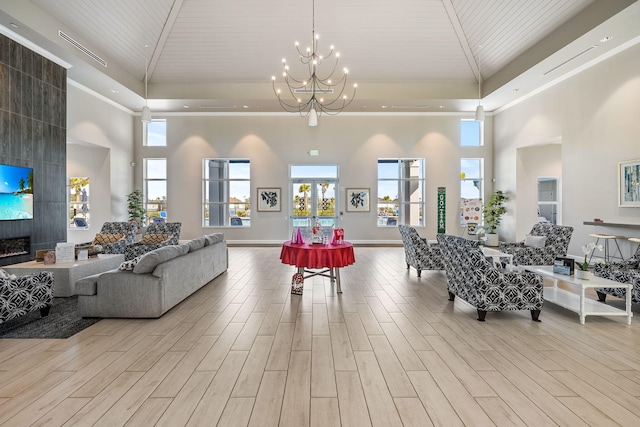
(471, 133)
(156, 133)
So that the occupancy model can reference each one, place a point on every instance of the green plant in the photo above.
(493, 211)
(586, 250)
(135, 207)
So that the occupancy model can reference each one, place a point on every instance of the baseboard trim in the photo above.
(279, 242)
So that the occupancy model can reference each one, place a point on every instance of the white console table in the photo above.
(577, 302)
(66, 274)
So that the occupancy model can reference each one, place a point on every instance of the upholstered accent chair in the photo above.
(475, 279)
(627, 271)
(157, 235)
(21, 295)
(536, 251)
(115, 236)
(419, 254)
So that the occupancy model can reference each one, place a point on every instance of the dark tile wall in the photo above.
(33, 113)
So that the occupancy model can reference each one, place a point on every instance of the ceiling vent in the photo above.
(83, 49)
(310, 90)
(217, 107)
(570, 59)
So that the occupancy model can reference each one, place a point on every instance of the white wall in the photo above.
(100, 145)
(596, 116)
(533, 162)
(272, 143)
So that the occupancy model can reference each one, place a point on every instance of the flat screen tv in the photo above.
(16, 192)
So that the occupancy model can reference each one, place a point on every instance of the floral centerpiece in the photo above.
(583, 267)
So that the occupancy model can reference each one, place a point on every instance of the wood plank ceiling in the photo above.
(204, 42)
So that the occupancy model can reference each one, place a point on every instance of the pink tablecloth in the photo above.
(317, 256)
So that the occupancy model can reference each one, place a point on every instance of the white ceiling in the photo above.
(405, 55)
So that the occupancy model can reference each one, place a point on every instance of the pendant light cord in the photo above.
(146, 70)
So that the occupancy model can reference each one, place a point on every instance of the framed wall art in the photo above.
(269, 200)
(357, 200)
(629, 184)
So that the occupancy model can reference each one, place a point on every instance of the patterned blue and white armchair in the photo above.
(419, 254)
(156, 236)
(475, 279)
(627, 271)
(555, 245)
(21, 295)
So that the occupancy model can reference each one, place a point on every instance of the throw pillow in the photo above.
(197, 243)
(149, 261)
(129, 265)
(5, 275)
(154, 239)
(105, 239)
(210, 239)
(535, 241)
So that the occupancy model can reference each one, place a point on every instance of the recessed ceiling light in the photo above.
(245, 106)
(441, 106)
(14, 25)
(606, 39)
(384, 106)
(113, 91)
(185, 106)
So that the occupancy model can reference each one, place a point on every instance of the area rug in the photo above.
(63, 321)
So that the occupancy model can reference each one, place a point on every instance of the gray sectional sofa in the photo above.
(150, 285)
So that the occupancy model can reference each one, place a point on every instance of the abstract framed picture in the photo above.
(269, 200)
(357, 200)
(629, 184)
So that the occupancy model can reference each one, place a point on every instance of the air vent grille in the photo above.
(570, 59)
(83, 49)
(309, 90)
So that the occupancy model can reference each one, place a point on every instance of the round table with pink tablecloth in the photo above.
(330, 258)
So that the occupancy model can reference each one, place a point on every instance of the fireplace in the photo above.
(15, 246)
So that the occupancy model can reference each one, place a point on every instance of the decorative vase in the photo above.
(491, 239)
(582, 274)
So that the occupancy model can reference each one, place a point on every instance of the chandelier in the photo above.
(318, 93)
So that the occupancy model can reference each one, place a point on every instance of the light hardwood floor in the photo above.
(390, 351)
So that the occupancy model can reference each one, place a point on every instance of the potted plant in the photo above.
(135, 208)
(492, 212)
(582, 268)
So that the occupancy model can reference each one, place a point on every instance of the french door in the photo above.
(313, 198)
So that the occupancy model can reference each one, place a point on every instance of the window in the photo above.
(471, 182)
(400, 192)
(470, 133)
(78, 197)
(226, 187)
(156, 133)
(471, 172)
(155, 189)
